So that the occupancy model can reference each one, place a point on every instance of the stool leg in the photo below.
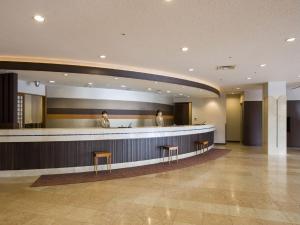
(169, 156)
(164, 155)
(110, 164)
(177, 154)
(107, 162)
(95, 165)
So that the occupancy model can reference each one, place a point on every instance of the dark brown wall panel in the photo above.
(183, 113)
(8, 100)
(39, 155)
(252, 123)
(293, 132)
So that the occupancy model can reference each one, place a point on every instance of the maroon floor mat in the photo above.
(74, 178)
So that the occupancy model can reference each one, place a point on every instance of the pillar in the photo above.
(275, 117)
(8, 100)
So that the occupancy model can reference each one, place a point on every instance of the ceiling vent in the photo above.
(228, 67)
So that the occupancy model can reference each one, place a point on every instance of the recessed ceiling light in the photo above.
(292, 39)
(103, 56)
(191, 69)
(168, 91)
(51, 81)
(249, 78)
(156, 82)
(90, 83)
(123, 86)
(116, 78)
(39, 18)
(168, 0)
(188, 96)
(238, 88)
(149, 89)
(232, 93)
(263, 65)
(180, 94)
(65, 74)
(184, 49)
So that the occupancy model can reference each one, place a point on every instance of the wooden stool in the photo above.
(102, 154)
(170, 149)
(201, 145)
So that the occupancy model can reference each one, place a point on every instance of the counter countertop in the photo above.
(80, 134)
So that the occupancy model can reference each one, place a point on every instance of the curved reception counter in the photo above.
(51, 151)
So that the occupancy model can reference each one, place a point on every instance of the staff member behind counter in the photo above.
(103, 121)
(159, 120)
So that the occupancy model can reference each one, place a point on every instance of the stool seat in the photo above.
(170, 149)
(102, 154)
(201, 146)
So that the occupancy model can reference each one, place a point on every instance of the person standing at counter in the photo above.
(103, 121)
(159, 120)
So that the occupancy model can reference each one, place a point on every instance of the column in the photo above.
(275, 117)
(8, 100)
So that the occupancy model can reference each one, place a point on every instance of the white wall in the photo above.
(29, 88)
(107, 94)
(253, 95)
(293, 94)
(211, 111)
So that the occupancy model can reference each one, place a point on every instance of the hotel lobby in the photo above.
(161, 112)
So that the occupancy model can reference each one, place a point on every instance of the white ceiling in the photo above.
(82, 80)
(251, 32)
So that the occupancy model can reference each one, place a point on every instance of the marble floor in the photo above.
(244, 187)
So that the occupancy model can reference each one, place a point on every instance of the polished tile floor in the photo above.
(244, 187)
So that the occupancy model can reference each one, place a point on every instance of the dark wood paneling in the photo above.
(183, 113)
(38, 155)
(252, 123)
(102, 71)
(8, 100)
(293, 133)
(109, 111)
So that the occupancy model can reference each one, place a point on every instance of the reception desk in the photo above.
(49, 151)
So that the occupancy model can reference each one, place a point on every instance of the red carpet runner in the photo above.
(74, 178)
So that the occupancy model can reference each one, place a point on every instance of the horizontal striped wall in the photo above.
(68, 112)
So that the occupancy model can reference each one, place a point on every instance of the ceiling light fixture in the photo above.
(65, 74)
(238, 88)
(90, 83)
(116, 78)
(168, 0)
(156, 82)
(249, 78)
(292, 39)
(123, 86)
(51, 81)
(39, 18)
(263, 65)
(180, 94)
(103, 56)
(149, 89)
(168, 91)
(184, 49)
(191, 69)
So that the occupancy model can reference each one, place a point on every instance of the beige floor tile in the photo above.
(244, 187)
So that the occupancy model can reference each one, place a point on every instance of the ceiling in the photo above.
(150, 35)
(95, 81)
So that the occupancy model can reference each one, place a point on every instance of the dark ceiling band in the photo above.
(50, 67)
